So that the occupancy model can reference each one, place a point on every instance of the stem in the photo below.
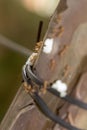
(67, 51)
(14, 46)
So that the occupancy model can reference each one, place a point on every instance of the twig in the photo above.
(14, 46)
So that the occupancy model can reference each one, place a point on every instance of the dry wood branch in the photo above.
(74, 35)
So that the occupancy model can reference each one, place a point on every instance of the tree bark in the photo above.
(68, 28)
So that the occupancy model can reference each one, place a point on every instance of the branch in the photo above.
(66, 62)
(14, 46)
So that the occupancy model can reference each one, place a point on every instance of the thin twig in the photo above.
(14, 46)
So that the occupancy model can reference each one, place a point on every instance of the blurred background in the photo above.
(19, 21)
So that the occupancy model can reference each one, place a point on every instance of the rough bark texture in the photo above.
(68, 28)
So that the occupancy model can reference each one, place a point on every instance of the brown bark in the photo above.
(68, 28)
(74, 115)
